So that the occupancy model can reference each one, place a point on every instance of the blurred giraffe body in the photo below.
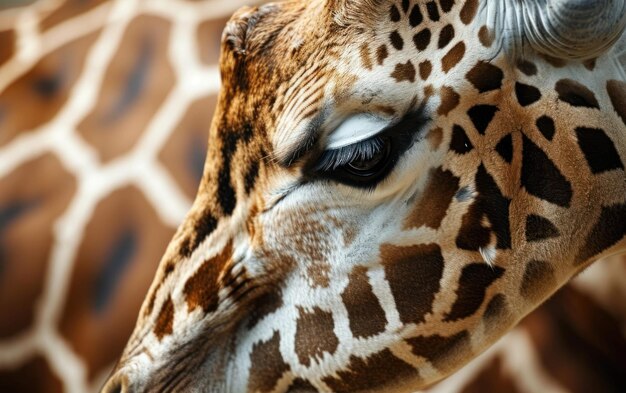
(132, 89)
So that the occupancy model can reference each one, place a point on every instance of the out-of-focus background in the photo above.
(104, 114)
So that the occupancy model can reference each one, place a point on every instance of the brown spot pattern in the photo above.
(45, 87)
(364, 51)
(435, 137)
(300, 385)
(422, 39)
(425, 69)
(315, 335)
(468, 12)
(527, 67)
(439, 349)
(538, 280)
(396, 40)
(201, 289)
(404, 72)
(539, 228)
(366, 315)
(381, 54)
(453, 57)
(496, 310)
(164, 324)
(445, 36)
(450, 99)
(138, 80)
(378, 371)
(473, 284)
(413, 274)
(267, 365)
(28, 209)
(485, 36)
(607, 231)
(265, 305)
(102, 303)
(433, 203)
(617, 94)
(576, 94)
(485, 76)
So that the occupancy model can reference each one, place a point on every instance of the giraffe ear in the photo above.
(573, 29)
(356, 12)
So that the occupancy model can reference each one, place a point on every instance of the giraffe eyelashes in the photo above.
(364, 151)
(365, 163)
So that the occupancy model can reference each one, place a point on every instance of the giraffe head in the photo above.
(389, 187)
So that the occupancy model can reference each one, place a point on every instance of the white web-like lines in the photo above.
(95, 181)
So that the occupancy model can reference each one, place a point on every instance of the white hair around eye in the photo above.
(356, 128)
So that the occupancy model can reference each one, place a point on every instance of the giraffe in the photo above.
(71, 354)
(382, 206)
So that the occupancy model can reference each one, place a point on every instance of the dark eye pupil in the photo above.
(373, 164)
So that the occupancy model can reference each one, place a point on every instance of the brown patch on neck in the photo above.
(468, 12)
(404, 72)
(485, 36)
(425, 68)
(267, 365)
(617, 94)
(265, 305)
(495, 313)
(554, 61)
(435, 137)
(473, 284)
(413, 274)
(201, 290)
(381, 371)
(164, 324)
(538, 281)
(590, 64)
(366, 315)
(443, 352)
(433, 203)
(381, 54)
(315, 335)
(453, 57)
(576, 94)
(364, 51)
(449, 100)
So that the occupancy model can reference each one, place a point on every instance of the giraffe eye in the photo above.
(366, 163)
(362, 164)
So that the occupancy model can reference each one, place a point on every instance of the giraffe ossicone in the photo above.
(489, 173)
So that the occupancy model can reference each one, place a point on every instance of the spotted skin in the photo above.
(454, 272)
(280, 281)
